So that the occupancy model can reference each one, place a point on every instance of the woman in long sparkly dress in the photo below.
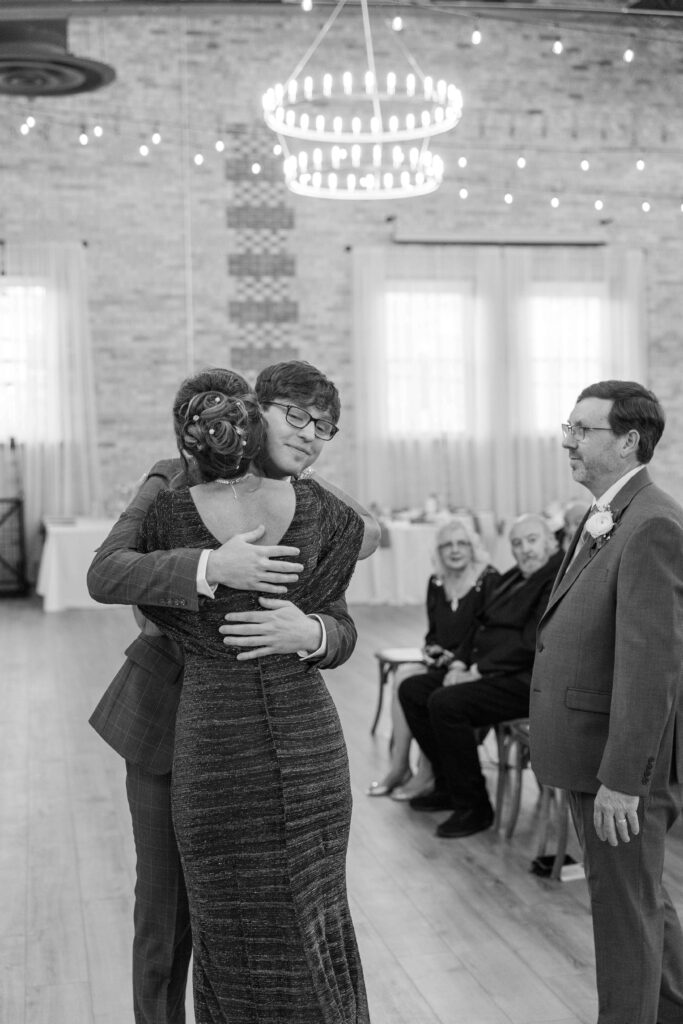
(261, 794)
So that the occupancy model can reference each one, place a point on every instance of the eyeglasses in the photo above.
(299, 418)
(577, 431)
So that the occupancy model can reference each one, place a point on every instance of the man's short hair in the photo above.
(300, 382)
(633, 408)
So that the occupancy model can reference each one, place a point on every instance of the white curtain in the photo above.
(467, 359)
(48, 387)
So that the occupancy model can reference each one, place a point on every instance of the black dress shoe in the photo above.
(466, 823)
(437, 800)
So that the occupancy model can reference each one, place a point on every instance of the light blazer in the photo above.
(606, 690)
(136, 714)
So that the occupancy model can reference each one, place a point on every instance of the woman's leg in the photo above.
(399, 766)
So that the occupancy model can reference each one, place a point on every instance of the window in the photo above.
(26, 412)
(426, 360)
(468, 358)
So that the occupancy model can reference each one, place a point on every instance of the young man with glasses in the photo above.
(607, 698)
(136, 715)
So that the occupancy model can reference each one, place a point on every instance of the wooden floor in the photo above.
(451, 931)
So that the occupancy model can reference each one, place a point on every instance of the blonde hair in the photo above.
(480, 556)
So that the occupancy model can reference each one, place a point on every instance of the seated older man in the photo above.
(487, 683)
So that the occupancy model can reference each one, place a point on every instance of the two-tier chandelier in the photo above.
(346, 136)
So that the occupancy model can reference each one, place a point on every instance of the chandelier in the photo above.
(346, 136)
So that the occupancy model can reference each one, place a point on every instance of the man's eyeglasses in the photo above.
(577, 431)
(299, 418)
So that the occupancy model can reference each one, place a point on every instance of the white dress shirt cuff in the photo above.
(322, 650)
(204, 588)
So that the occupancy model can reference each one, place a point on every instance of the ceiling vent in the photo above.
(34, 61)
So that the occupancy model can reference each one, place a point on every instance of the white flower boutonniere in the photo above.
(600, 524)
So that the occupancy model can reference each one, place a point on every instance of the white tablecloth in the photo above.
(396, 574)
(67, 553)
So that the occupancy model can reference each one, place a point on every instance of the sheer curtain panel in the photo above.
(467, 359)
(47, 384)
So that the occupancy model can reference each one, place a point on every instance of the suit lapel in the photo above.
(573, 569)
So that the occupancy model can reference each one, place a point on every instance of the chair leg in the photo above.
(384, 673)
(562, 834)
(503, 742)
(516, 798)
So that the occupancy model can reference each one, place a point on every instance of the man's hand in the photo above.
(243, 564)
(613, 814)
(457, 673)
(281, 629)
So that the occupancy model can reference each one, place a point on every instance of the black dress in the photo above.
(261, 795)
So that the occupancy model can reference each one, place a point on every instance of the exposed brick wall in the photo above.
(212, 264)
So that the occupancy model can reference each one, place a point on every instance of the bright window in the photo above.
(25, 375)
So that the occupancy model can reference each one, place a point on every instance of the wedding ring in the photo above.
(620, 821)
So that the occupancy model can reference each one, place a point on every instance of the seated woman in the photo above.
(463, 579)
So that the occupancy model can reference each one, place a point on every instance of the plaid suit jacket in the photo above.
(136, 714)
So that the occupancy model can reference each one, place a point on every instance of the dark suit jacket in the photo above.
(136, 714)
(503, 638)
(606, 689)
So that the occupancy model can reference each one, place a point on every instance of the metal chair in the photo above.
(391, 659)
(513, 757)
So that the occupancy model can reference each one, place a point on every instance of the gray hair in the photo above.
(480, 556)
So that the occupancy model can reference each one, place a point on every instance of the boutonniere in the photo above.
(600, 524)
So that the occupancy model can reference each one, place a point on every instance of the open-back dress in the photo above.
(261, 795)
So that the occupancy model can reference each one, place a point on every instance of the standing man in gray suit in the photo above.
(137, 712)
(607, 694)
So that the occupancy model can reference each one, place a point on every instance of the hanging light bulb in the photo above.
(521, 162)
(584, 165)
(83, 137)
(143, 149)
(476, 36)
(558, 47)
(509, 198)
(98, 131)
(598, 204)
(629, 55)
(198, 159)
(31, 121)
(554, 202)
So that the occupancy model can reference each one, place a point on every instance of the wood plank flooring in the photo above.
(451, 931)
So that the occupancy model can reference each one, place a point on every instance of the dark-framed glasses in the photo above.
(299, 418)
(577, 431)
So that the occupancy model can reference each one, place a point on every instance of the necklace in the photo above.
(235, 480)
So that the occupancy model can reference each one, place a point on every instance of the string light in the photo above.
(476, 36)
(256, 168)
(585, 165)
(508, 198)
(462, 161)
(198, 159)
(645, 207)
(31, 121)
(219, 145)
(554, 202)
(143, 150)
(156, 137)
(83, 137)
(397, 23)
(98, 131)
(598, 204)
(24, 128)
(629, 55)
(307, 5)
(521, 162)
(640, 165)
(463, 193)
(558, 47)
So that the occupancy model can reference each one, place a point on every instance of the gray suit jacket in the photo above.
(607, 685)
(136, 714)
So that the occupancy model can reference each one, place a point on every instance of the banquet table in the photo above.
(68, 550)
(398, 572)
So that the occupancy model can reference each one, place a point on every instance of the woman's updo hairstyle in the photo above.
(218, 423)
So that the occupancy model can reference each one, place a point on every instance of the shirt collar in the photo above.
(612, 491)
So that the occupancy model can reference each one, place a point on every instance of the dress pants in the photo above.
(638, 938)
(162, 944)
(443, 720)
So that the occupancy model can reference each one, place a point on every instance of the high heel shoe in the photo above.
(384, 789)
